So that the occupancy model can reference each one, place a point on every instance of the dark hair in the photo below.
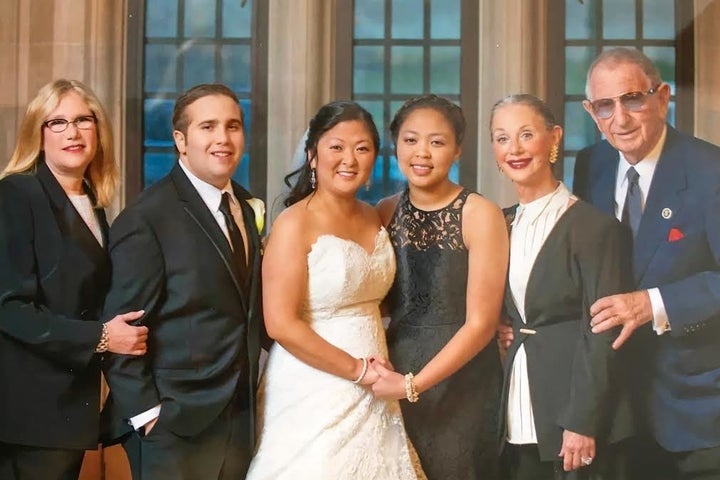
(325, 119)
(452, 113)
(180, 120)
(528, 100)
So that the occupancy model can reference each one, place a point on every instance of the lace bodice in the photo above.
(431, 256)
(427, 308)
(426, 230)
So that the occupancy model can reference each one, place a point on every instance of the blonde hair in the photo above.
(101, 174)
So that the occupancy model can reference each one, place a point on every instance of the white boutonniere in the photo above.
(258, 207)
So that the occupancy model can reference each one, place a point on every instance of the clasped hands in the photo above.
(385, 382)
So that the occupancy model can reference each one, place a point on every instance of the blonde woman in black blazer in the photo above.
(564, 403)
(54, 276)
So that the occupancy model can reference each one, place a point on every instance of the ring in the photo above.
(586, 460)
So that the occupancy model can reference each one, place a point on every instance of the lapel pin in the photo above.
(666, 213)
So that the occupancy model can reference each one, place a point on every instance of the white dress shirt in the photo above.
(85, 208)
(533, 223)
(212, 196)
(645, 169)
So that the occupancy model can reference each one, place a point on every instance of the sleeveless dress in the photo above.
(453, 426)
(314, 425)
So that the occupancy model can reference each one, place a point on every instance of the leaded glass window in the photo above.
(593, 25)
(404, 48)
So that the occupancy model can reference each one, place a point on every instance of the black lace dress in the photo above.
(453, 425)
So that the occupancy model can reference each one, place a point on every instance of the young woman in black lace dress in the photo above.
(452, 253)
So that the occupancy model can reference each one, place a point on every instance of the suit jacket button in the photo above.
(83, 314)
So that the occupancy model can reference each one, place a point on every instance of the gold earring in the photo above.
(554, 154)
(499, 167)
(368, 184)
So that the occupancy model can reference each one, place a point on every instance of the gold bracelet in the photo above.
(410, 389)
(104, 340)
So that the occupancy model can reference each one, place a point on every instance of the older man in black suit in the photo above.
(188, 253)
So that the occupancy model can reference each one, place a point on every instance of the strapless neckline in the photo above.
(379, 236)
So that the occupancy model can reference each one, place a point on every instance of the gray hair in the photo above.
(624, 55)
(537, 105)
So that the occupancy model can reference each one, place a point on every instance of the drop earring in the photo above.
(313, 179)
(554, 154)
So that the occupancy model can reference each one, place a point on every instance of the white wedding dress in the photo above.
(314, 425)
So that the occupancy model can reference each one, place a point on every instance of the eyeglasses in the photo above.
(632, 101)
(59, 125)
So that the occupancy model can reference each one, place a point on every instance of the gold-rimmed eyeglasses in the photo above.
(59, 125)
(632, 101)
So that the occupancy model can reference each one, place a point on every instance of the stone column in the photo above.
(707, 70)
(512, 60)
(300, 67)
(41, 40)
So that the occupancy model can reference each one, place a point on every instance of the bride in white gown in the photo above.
(327, 266)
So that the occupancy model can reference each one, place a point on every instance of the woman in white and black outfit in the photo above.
(563, 398)
(53, 280)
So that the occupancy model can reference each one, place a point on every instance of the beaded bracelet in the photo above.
(410, 390)
(363, 372)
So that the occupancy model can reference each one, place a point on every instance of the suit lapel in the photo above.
(249, 220)
(603, 187)
(252, 340)
(199, 212)
(510, 306)
(253, 268)
(535, 285)
(546, 258)
(668, 181)
(69, 220)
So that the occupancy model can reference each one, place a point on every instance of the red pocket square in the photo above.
(675, 235)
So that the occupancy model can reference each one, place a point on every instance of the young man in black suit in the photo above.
(188, 252)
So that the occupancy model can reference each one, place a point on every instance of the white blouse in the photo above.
(85, 208)
(533, 223)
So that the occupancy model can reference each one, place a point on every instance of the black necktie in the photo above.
(236, 239)
(632, 211)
